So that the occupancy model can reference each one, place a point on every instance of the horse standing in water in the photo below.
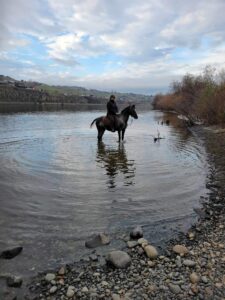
(104, 123)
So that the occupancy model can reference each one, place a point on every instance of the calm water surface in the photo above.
(58, 186)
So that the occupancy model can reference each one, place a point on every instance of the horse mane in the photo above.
(125, 109)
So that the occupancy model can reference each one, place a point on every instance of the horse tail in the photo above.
(93, 122)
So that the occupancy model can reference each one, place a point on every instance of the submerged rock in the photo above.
(14, 281)
(99, 240)
(11, 253)
(119, 259)
(137, 232)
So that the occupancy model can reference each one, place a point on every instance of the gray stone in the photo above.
(99, 240)
(70, 292)
(174, 288)
(85, 290)
(189, 263)
(53, 289)
(115, 297)
(132, 244)
(119, 259)
(49, 277)
(137, 232)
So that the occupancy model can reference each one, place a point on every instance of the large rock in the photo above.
(99, 240)
(119, 259)
(151, 251)
(137, 232)
(11, 253)
(180, 249)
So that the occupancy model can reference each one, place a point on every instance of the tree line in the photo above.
(200, 98)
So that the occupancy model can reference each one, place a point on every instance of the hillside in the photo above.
(13, 90)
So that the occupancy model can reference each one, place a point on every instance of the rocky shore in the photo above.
(190, 267)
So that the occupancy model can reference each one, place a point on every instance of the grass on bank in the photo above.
(201, 98)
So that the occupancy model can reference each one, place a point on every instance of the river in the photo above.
(58, 186)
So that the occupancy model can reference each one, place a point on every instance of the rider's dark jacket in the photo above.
(112, 108)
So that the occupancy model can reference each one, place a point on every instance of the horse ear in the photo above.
(133, 106)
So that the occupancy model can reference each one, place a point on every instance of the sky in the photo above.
(136, 46)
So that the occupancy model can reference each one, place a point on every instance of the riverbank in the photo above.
(198, 273)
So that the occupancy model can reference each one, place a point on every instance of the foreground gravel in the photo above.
(193, 269)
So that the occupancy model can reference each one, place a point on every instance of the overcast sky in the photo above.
(117, 45)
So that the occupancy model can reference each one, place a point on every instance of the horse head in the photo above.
(132, 111)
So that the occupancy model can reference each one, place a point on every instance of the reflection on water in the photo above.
(115, 162)
(55, 181)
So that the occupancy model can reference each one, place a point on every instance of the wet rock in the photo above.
(151, 251)
(119, 259)
(98, 240)
(180, 249)
(132, 244)
(14, 281)
(137, 232)
(11, 253)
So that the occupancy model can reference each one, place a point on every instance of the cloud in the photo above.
(154, 41)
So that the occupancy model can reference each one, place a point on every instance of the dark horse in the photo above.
(104, 123)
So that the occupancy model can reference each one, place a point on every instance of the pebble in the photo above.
(70, 291)
(115, 297)
(204, 279)
(49, 277)
(194, 278)
(151, 251)
(180, 249)
(53, 289)
(62, 271)
(174, 288)
(84, 290)
(132, 244)
(189, 263)
(119, 259)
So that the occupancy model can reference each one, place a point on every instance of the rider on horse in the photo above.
(112, 110)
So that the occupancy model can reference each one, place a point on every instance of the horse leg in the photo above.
(123, 132)
(119, 135)
(100, 133)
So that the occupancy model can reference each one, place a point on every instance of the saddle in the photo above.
(109, 121)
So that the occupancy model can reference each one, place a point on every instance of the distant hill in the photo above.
(13, 90)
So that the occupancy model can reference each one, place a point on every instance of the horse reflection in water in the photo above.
(115, 161)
